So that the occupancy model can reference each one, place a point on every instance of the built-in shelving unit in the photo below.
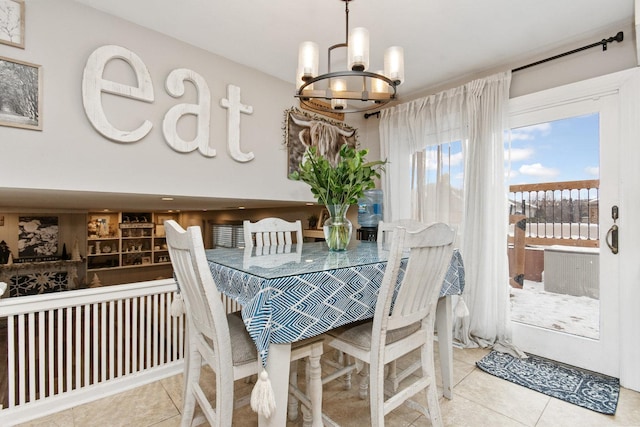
(126, 239)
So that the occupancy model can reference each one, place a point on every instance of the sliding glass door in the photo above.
(562, 160)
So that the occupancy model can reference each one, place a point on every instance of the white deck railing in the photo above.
(558, 213)
(68, 348)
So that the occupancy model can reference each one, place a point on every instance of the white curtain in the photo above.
(418, 137)
(414, 138)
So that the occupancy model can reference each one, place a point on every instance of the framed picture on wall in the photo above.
(12, 22)
(303, 131)
(21, 87)
(323, 106)
(37, 236)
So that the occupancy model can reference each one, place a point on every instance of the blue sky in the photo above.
(563, 150)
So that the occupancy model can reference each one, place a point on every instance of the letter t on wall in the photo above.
(235, 107)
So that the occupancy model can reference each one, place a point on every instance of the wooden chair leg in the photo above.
(314, 384)
(339, 361)
(392, 376)
(376, 394)
(311, 398)
(292, 407)
(428, 371)
(345, 360)
(192, 376)
(364, 382)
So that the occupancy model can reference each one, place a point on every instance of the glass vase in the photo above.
(337, 228)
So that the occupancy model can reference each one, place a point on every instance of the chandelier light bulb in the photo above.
(379, 85)
(308, 58)
(358, 49)
(337, 86)
(394, 64)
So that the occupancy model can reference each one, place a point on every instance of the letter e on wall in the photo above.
(93, 85)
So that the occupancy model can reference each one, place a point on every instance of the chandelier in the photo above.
(355, 89)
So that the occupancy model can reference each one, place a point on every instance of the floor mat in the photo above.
(583, 388)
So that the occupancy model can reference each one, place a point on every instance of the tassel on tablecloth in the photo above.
(461, 310)
(461, 322)
(263, 400)
(177, 306)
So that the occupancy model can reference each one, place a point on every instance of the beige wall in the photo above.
(573, 68)
(69, 154)
(568, 69)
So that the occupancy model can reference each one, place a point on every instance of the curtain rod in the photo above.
(617, 38)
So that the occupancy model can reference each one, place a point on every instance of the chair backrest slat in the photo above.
(271, 231)
(204, 309)
(430, 248)
(385, 229)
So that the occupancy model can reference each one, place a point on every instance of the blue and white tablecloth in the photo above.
(322, 291)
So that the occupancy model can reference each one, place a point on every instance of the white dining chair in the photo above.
(271, 231)
(385, 232)
(383, 237)
(220, 339)
(269, 236)
(386, 228)
(403, 321)
(271, 256)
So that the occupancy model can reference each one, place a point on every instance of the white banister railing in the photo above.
(558, 213)
(67, 348)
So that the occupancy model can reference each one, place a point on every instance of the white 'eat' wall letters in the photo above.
(93, 84)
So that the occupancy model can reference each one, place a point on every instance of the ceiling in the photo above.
(443, 40)
(17, 199)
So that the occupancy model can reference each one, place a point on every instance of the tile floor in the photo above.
(479, 400)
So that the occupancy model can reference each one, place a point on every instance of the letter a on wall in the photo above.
(202, 110)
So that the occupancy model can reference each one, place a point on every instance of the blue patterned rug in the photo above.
(589, 390)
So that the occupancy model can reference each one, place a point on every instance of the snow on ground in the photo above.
(566, 313)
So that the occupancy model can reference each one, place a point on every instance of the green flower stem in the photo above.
(338, 186)
(343, 183)
(338, 228)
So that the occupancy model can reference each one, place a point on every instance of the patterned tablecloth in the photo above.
(314, 292)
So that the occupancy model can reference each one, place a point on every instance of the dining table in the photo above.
(290, 293)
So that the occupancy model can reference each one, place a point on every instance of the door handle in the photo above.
(613, 231)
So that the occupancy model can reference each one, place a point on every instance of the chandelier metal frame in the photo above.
(305, 93)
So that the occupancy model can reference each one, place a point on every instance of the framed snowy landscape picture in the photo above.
(21, 89)
(12, 22)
